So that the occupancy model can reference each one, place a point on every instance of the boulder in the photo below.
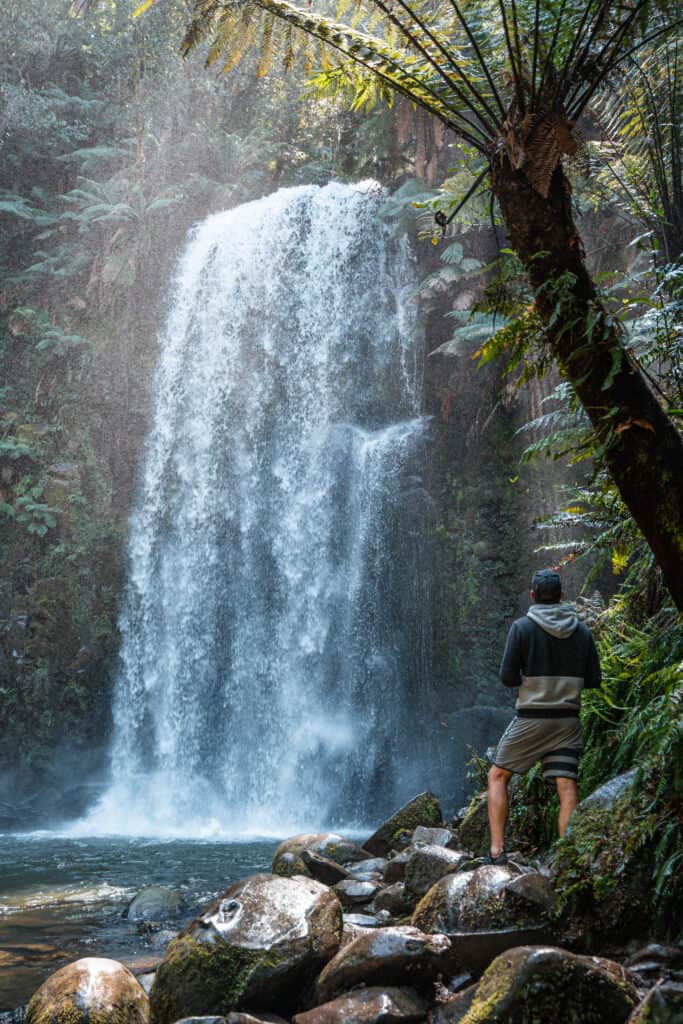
(154, 903)
(90, 990)
(427, 865)
(396, 832)
(473, 901)
(256, 947)
(543, 983)
(606, 796)
(395, 899)
(287, 860)
(533, 890)
(368, 1006)
(325, 870)
(372, 866)
(395, 869)
(352, 931)
(385, 956)
(473, 832)
(423, 836)
(353, 893)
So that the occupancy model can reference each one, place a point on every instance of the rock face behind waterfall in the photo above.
(276, 550)
(257, 947)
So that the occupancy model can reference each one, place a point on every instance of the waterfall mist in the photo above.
(276, 619)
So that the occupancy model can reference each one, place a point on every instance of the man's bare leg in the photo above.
(568, 792)
(498, 807)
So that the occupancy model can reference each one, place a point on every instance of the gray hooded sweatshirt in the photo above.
(552, 657)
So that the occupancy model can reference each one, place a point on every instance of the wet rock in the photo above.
(354, 893)
(386, 956)
(533, 890)
(352, 931)
(236, 1017)
(473, 832)
(89, 990)
(325, 870)
(472, 901)
(655, 961)
(287, 860)
(257, 947)
(395, 869)
(454, 1010)
(395, 899)
(547, 984)
(396, 832)
(427, 865)
(423, 836)
(606, 796)
(154, 903)
(368, 1006)
(201, 1020)
(662, 1005)
(372, 866)
(364, 921)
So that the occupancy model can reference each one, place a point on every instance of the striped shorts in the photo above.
(556, 742)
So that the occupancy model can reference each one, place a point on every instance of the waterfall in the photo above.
(275, 606)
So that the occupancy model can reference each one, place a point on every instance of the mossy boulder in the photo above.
(256, 948)
(473, 901)
(90, 991)
(386, 1005)
(533, 984)
(154, 903)
(473, 831)
(288, 860)
(603, 873)
(384, 956)
(398, 830)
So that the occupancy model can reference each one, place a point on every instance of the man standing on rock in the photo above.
(551, 657)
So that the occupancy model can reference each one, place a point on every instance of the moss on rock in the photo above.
(530, 984)
(398, 829)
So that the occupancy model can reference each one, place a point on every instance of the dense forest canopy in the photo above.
(513, 80)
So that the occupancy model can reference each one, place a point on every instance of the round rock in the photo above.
(385, 956)
(256, 947)
(154, 903)
(472, 900)
(90, 990)
(548, 984)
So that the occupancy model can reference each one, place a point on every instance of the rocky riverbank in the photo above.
(410, 926)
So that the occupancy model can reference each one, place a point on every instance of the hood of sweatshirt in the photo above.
(559, 620)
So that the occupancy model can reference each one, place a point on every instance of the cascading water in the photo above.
(275, 613)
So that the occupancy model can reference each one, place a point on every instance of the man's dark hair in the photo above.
(547, 586)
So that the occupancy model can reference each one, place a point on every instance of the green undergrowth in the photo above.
(621, 870)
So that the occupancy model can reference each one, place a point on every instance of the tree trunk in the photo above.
(643, 450)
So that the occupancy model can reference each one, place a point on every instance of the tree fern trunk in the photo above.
(643, 450)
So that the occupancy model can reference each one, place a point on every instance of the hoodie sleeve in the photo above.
(511, 665)
(593, 674)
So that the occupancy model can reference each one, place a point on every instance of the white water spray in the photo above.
(274, 602)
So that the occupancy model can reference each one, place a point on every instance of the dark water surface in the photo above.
(62, 898)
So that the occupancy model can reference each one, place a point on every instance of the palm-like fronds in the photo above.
(503, 74)
(642, 118)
